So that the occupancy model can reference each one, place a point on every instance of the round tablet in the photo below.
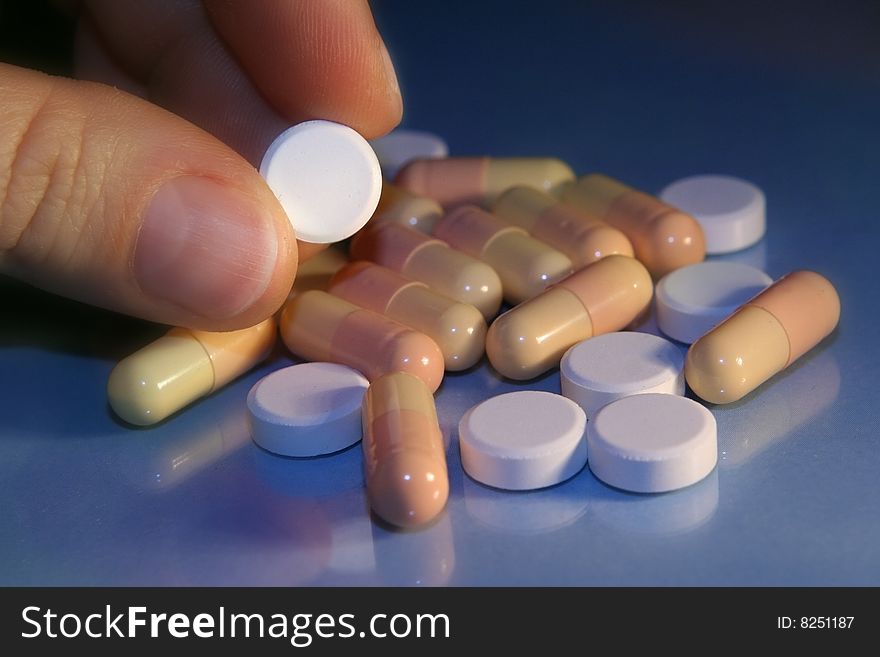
(307, 410)
(730, 210)
(399, 147)
(523, 440)
(694, 299)
(599, 370)
(652, 443)
(326, 178)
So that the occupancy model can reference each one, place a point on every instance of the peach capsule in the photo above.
(458, 328)
(400, 206)
(318, 326)
(404, 455)
(431, 261)
(457, 180)
(762, 337)
(182, 366)
(606, 296)
(577, 234)
(524, 265)
(662, 237)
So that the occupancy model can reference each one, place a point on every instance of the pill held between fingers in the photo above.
(308, 164)
(605, 368)
(404, 454)
(523, 440)
(730, 210)
(763, 337)
(307, 410)
(652, 443)
(694, 299)
(400, 146)
(182, 366)
(456, 181)
(663, 238)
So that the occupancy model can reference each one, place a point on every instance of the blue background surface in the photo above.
(785, 96)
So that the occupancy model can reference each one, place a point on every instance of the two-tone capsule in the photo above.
(606, 296)
(582, 237)
(318, 326)
(458, 180)
(526, 266)
(400, 206)
(762, 337)
(458, 328)
(182, 366)
(432, 261)
(662, 237)
(404, 455)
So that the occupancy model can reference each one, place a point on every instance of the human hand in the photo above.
(109, 199)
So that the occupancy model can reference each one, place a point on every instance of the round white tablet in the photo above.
(694, 299)
(731, 211)
(400, 146)
(597, 371)
(523, 440)
(326, 177)
(652, 443)
(307, 410)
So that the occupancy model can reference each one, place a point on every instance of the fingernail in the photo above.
(205, 247)
(390, 73)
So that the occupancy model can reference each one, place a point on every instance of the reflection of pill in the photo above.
(652, 443)
(400, 206)
(763, 337)
(580, 236)
(458, 328)
(600, 370)
(525, 265)
(183, 366)
(431, 261)
(603, 297)
(694, 299)
(404, 456)
(730, 210)
(306, 167)
(457, 180)
(400, 146)
(318, 326)
(523, 440)
(662, 237)
(307, 410)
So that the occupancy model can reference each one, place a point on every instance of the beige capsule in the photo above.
(403, 207)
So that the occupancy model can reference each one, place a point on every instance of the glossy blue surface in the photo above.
(787, 100)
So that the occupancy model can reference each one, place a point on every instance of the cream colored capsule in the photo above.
(458, 328)
(606, 296)
(763, 337)
(445, 270)
(316, 272)
(525, 265)
(457, 180)
(403, 207)
(581, 236)
(404, 455)
(662, 237)
(182, 366)
(319, 326)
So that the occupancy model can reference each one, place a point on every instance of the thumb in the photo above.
(110, 200)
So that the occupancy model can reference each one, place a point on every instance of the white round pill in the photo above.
(731, 211)
(523, 440)
(694, 299)
(307, 410)
(326, 177)
(652, 443)
(607, 367)
(400, 146)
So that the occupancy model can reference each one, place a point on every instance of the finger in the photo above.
(314, 59)
(110, 200)
(93, 62)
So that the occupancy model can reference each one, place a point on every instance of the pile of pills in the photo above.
(431, 259)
